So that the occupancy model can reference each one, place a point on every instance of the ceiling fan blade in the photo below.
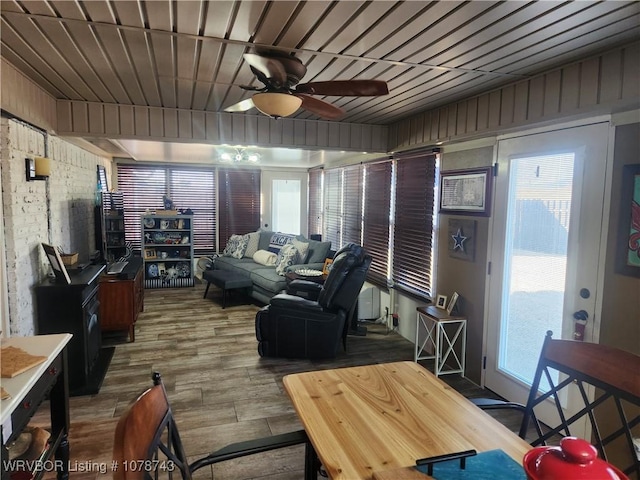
(242, 106)
(340, 88)
(320, 107)
(269, 67)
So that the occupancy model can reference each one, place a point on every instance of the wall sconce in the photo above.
(38, 168)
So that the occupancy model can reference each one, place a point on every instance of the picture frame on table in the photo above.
(327, 266)
(441, 301)
(452, 303)
(466, 192)
(59, 269)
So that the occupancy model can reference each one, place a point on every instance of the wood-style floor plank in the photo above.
(220, 389)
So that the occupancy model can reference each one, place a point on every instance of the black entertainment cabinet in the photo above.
(74, 308)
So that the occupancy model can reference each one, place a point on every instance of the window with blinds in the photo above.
(333, 207)
(143, 188)
(195, 189)
(352, 190)
(315, 201)
(239, 200)
(413, 223)
(377, 209)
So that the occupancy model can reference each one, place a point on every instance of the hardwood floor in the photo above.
(221, 391)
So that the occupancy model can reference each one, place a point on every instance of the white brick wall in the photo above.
(59, 211)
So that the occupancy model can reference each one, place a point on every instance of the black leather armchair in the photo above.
(295, 327)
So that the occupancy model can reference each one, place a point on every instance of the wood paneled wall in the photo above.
(26, 100)
(606, 83)
(151, 123)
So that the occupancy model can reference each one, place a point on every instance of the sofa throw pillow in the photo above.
(287, 256)
(279, 240)
(252, 244)
(236, 246)
(303, 249)
(265, 258)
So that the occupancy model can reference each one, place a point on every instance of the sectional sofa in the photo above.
(266, 281)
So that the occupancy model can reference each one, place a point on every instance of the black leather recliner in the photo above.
(295, 327)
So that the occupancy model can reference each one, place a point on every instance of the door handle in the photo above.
(581, 315)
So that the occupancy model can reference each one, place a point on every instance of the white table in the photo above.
(30, 388)
(437, 336)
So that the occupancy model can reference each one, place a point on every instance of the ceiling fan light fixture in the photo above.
(276, 105)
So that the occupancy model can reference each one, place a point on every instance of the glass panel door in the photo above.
(285, 205)
(538, 218)
(545, 250)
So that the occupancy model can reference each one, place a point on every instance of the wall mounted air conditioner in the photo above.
(369, 303)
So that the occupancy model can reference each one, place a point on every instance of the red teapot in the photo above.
(574, 459)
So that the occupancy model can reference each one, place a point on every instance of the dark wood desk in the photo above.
(122, 298)
(363, 420)
(29, 389)
(75, 309)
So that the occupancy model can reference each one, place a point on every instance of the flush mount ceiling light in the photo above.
(239, 155)
(276, 105)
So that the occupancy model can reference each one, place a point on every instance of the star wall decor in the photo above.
(458, 240)
(461, 243)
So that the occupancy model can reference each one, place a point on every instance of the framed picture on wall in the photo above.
(466, 192)
(628, 248)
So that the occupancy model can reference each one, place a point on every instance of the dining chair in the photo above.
(608, 382)
(147, 443)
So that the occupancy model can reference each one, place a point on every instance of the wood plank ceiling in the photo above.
(188, 54)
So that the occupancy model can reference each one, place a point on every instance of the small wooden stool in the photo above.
(226, 280)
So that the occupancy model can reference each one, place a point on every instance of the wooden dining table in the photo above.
(375, 421)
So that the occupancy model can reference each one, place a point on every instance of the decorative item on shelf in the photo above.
(186, 211)
(162, 270)
(452, 303)
(327, 266)
(172, 273)
(183, 270)
(152, 270)
(150, 254)
(168, 203)
(164, 224)
(149, 222)
(441, 302)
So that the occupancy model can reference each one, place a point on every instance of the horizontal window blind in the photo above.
(377, 205)
(315, 201)
(142, 189)
(413, 223)
(333, 207)
(352, 190)
(239, 201)
(195, 189)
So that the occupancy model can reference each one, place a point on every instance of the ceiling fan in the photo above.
(282, 93)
